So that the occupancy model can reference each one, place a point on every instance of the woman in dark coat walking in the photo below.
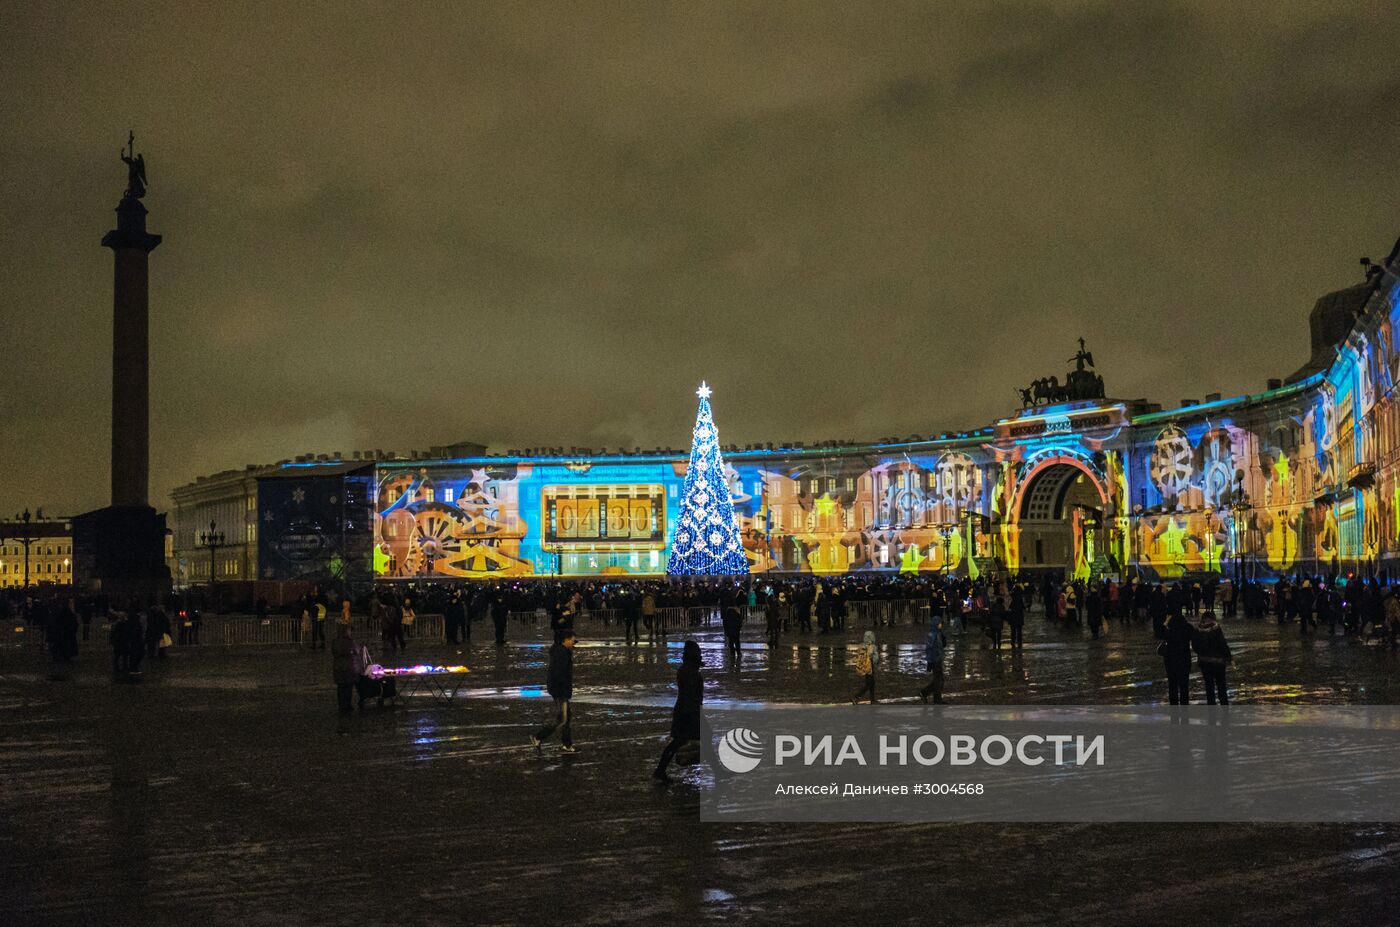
(685, 717)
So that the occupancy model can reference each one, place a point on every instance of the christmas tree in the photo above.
(707, 531)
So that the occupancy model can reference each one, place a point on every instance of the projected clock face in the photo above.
(634, 516)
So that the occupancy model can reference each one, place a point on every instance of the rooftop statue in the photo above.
(1080, 383)
(135, 168)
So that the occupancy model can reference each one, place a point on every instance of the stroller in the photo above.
(368, 683)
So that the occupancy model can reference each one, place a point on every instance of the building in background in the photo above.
(50, 553)
(1302, 477)
(229, 502)
(315, 520)
(312, 506)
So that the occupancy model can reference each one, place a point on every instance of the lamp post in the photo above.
(1089, 522)
(1239, 508)
(1134, 544)
(946, 529)
(26, 537)
(1210, 539)
(213, 540)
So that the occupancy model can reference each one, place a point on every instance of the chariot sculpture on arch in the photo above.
(1080, 383)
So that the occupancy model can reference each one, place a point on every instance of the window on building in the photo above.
(447, 494)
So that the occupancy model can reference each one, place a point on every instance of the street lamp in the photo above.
(26, 537)
(946, 529)
(1210, 539)
(1089, 521)
(213, 540)
(1239, 508)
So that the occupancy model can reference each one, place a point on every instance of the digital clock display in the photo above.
(606, 516)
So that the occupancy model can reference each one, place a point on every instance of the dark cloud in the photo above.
(391, 226)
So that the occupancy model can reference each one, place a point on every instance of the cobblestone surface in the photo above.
(226, 789)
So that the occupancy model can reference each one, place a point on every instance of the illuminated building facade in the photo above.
(50, 544)
(1302, 477)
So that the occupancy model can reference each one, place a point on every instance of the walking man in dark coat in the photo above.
(560, 685)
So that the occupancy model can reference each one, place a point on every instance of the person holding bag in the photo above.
(1175, 651)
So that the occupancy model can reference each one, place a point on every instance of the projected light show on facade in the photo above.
(1296, 478)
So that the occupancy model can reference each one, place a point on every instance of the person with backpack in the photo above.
(559, 683)
(865, 668)
(1213, 655)
(685, 716)
(934, 648)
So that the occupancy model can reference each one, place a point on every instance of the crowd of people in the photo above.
(1183, 617)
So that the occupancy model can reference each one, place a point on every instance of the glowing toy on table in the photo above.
(421, 669)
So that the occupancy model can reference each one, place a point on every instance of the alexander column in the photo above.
(121, 549)
(131, 405)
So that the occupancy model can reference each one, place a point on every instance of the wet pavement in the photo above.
(225, 788)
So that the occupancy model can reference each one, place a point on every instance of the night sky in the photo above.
(390, 227)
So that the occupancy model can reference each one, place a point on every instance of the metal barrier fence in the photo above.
(865, 613)
(238, 630)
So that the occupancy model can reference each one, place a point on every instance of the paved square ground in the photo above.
(226, 789)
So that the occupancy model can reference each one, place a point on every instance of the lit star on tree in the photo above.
(704, 391)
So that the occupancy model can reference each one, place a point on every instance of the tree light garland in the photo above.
(707, 541)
